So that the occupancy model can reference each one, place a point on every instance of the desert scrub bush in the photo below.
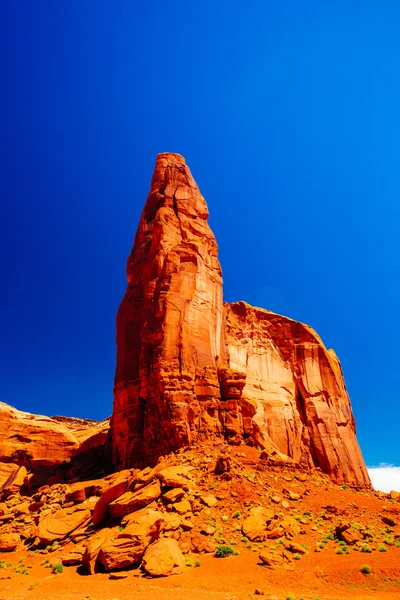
(244, 539)
(296, 556)
(339, 551)
(58, 568)
(189, 562)
(366, 548)
(320, 545)
(237, 514)
(366, 569)
(224, 551)
(389, 541)
(382, 548)
(224, 518)
(197, 563)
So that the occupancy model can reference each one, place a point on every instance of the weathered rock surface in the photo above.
(163, 558)
(169, 325)
(61, 523)
(189, 367)
(9, 542)
(303, 411)
(129, 545)
(42, 443)
(131, 501)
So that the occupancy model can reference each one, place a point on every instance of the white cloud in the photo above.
(385, 477)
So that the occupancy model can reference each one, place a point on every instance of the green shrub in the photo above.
(197, 563)
(339, 551)
(382, 548)
(224, 551)
(237, 514)
(366, 569)
(58, 568)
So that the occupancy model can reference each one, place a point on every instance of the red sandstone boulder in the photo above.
(128, 546)
(9, 542)
(131, 501)
(93, 546)
(58, 525)
(163, 558)
(114, 491)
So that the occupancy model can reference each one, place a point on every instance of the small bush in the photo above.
(296, 556)
(224, 551)
(366, 569)
(197, 563)
(339, 551)
(58, 568)
(382, 548)
(237, 514)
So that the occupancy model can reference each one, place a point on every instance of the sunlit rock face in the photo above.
(169, 325)
(189, 367)
(303, 409)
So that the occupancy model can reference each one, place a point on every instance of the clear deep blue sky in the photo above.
(288, 116)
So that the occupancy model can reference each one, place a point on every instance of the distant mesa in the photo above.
(192, 368)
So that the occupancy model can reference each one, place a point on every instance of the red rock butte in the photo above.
(191, 367)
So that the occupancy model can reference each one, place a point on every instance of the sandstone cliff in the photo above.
(189, 368)
(42, 444)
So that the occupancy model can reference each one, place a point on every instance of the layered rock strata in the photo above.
(48, 447)
(190, 368)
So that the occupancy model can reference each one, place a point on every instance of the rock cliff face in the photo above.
(169, 325)
(41, 444)
(303, 410)
(190, 368)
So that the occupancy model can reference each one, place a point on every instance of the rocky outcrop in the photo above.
(47, 447)
(169, 325)
(189, 368)
(303, 411)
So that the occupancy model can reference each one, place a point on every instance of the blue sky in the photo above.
(287, 114)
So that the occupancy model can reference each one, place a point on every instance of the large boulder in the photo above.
(254, 526)
(163, 558)
(9, 542)
(58, 525)
(131, 501)
(93, 546)
(128, 546)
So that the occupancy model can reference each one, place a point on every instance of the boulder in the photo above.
(114, 491)
(176, 477)
(254, 526)
(58, 525)
(93, 546)
(128, 546)
(74, 557)
(201, 543)
(131, 501)
(9, 542)
(271, 559)
(163, 558)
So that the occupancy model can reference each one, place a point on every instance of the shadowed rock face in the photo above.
(189, 368)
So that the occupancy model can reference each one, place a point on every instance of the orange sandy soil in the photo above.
(325, 576)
